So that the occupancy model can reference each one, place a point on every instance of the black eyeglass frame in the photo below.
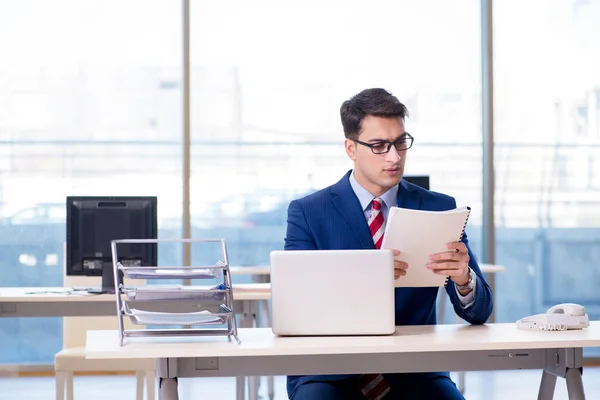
(405, 137)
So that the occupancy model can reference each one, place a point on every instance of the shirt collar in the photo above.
(390, 198)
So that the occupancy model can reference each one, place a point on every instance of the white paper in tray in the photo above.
(170, 273)
(158, 318)
(176, 293)
(184, 271)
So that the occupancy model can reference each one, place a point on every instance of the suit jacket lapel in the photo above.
(347, 203)
(408, 196)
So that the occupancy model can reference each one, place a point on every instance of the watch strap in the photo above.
(469, 285)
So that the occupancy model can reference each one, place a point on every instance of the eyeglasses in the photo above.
(403, 143)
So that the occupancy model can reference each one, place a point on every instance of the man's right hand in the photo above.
(399, 266)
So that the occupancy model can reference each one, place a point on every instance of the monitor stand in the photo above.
(108, 281)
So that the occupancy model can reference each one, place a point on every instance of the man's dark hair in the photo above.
(376, 102)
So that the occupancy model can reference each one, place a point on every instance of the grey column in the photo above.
(487, 118)
(186, 140)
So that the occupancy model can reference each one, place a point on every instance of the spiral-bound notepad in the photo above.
(418, 234)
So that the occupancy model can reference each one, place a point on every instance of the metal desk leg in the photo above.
(271, 387)
(547, 386)
(166, 374)
(253, 381)
(566, 363)
(265, 319)
(575, 384)
(441, 306)
(240, 387)
(253, 387)
(265, 322)
(167, 389)
(247, 320)
(462, 381)
(264, 314)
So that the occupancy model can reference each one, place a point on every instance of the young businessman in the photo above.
(351, 214)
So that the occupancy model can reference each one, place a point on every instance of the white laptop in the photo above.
(332, 292)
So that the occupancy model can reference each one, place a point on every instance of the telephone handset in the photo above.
(558, 318)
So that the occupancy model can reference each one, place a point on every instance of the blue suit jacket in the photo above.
(332, 219)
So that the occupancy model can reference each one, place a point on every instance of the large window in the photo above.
(268, 79)
(90, 104)
(547, 87)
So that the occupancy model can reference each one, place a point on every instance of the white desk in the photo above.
(61, 302)
(260, 275)
(491, 268)
(256, 270)
(410, 349)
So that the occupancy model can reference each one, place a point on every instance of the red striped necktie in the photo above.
(374, 386)
(376, 223)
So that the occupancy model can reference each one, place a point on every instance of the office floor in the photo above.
(514, 385)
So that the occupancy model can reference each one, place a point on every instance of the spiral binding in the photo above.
(462, 233)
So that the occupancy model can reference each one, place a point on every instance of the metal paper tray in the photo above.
(150, 293)
(171, 273)
(141, 317)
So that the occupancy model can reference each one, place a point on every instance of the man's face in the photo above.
(377, 172)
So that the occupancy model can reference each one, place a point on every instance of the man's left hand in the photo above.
(453, 263)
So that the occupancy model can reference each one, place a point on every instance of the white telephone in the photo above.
(558, 318)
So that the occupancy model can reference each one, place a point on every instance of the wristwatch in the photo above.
(469, 285)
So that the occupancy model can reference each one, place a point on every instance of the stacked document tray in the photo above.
(171, 310)
(175, 293)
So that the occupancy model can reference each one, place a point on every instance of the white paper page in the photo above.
(418, 234)
(158, 318)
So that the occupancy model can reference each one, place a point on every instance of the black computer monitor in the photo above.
(419, 180)
(94, 221)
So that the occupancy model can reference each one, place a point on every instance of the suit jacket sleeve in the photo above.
(298, 235)
(482, 306)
